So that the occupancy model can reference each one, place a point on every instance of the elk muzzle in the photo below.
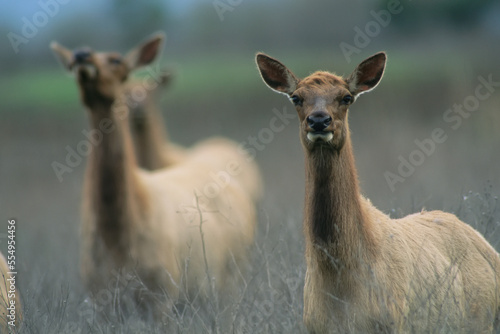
(83, 65)
(317, 124)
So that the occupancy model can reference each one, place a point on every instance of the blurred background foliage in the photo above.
(437, 51)
(446, 33)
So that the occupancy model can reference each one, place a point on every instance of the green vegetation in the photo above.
(202, 77)
(48, 88)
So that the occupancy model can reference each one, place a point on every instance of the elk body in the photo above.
(366, 273)
(151, 145)
(167, 227)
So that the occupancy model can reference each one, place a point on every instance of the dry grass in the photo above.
(270, 298)
(268, 301)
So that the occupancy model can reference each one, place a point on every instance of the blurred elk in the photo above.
(151, 145)
(170, 227)
(367, 273)
(6, 296)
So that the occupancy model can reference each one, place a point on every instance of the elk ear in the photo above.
(276, 75)
(145, 53)
(64, 55)
(165, 78)
(368, 74)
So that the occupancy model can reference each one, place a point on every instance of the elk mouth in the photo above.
(85, 71)
(324, 136)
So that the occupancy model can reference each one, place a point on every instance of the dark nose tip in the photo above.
(81, 55)
(319, 121)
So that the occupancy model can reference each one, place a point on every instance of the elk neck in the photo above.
(150, 138)
(335, 224)
(113, 191)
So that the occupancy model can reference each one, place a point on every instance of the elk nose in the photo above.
(81, 55)
(319, 121)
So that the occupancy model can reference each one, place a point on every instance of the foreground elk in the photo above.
(366, 273)
(181, 230)
(151, 145)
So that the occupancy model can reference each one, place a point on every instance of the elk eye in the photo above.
(115, 61)
(346, 100)
(296, 100)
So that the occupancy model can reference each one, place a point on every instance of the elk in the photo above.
(151, 145)
(368, 273)
(180, 230)
(8, 300)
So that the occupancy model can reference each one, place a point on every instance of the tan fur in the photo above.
(366, 273)
(147, 223)
(5, 298)
(151, 145)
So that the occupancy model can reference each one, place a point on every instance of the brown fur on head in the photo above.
(100, 75)
(322, 99)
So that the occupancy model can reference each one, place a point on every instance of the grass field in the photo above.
(42, 115)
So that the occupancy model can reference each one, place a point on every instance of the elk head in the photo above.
(100, 75)
(322, 99)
